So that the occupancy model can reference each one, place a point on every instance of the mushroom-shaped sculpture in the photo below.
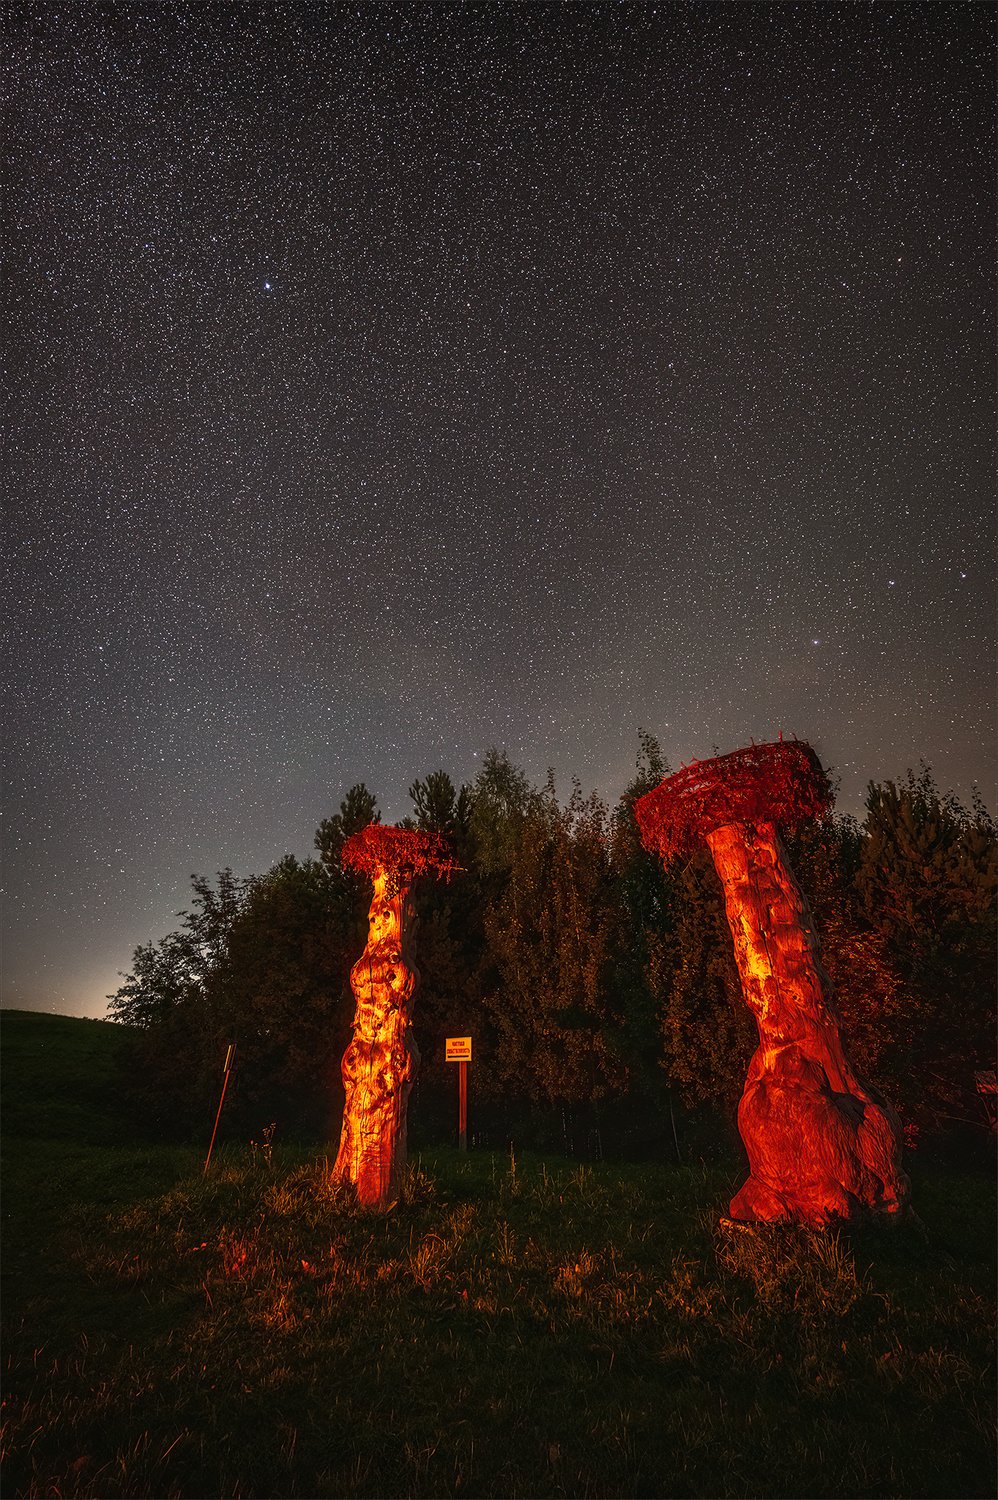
(382, 1057)
(821, 1145)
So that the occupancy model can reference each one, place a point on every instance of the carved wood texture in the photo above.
(381, 1060)
(821, 1144)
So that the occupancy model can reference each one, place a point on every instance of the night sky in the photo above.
(388, 383)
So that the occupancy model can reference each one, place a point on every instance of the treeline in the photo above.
(599, 987)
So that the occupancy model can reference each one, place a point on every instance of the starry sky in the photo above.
(386, 383)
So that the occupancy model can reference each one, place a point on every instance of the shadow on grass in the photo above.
(512, 1326)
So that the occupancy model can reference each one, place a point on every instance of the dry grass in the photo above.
(509, 1328)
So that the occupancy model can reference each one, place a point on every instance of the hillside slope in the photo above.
(59, 1077)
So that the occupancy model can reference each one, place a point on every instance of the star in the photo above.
(369, 535)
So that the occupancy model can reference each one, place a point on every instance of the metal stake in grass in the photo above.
(225, 1083)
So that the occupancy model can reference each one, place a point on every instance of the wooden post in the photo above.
(459, 1051)
(462, 1107)
(225, 1083)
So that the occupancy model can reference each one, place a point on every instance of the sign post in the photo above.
(218, 1116)
(459, 1051)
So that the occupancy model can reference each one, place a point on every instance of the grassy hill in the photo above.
(511, 1327)
(58, 1076)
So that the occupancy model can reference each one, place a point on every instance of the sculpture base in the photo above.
(822, 1145)
(815, 1156)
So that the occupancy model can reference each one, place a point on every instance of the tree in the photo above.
(158, 984)
(280, 993)
(358, 808)
(685, 1011)
(174, 971)
(867, 984)
(348, 890)
(170, 997)
(647, 900)
(502, 799)
(263, 962)
(451, 939)
(554, 931)
(707, 1031)
(441, 809)
(926, 882)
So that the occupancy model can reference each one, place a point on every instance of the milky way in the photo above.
(392, 383)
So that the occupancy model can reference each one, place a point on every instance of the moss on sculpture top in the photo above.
(782, 782)
(381, 848)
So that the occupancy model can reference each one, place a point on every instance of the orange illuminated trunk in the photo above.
(381, 1060)
(382, 1057)
(820, 1144)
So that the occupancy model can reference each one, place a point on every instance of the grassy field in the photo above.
(512, 1326)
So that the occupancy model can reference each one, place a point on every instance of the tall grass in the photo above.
(510, 1327)
(513, 1326)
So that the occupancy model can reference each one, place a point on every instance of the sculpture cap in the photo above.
(780, 782)
(383, 848)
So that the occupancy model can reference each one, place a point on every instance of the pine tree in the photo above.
(927, 880)
(350, 892)
(554, 931)
(358, 808)
(441, 809)
(646, 896)
(451, 944)
(282, 994)
(707, 1031)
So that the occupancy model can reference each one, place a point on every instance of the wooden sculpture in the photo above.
(382, 1057)
(821, 1145)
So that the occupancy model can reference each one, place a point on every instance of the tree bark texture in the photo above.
(821, 1144)
(381, 1060)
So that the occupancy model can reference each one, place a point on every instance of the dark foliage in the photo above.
(598, 983)
(926, 880)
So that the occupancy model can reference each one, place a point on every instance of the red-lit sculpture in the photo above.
(381, 1059)
(821, 1145)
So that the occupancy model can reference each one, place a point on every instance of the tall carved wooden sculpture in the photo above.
(821, 1145)
(381, 1060)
